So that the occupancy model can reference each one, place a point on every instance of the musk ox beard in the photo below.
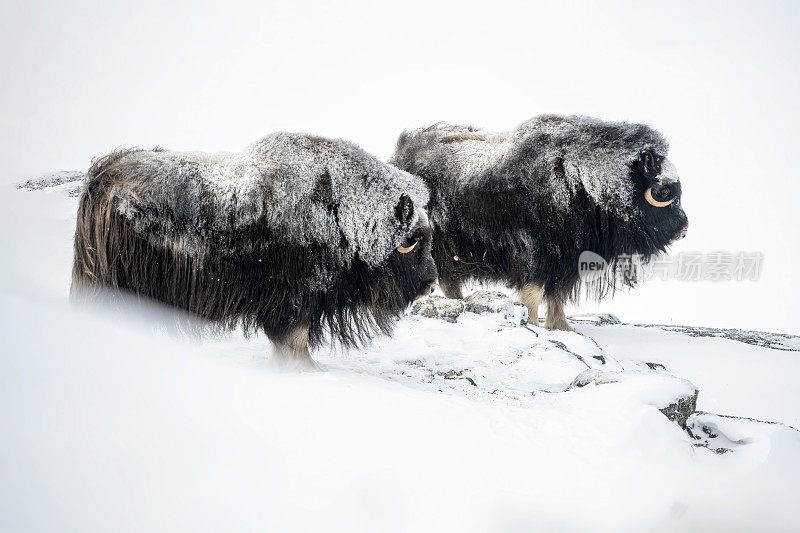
(298, 236)
(520, 207)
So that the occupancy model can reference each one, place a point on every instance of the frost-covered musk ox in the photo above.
(520, 207)
(297, 235)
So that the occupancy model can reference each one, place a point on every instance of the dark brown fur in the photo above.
(244, 277)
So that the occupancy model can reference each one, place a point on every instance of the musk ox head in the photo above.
(658, 216)
(618, 170)
(413, 271)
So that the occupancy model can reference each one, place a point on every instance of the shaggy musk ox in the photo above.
(296, 236)
(520, 207)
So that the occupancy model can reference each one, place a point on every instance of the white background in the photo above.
(720, 79)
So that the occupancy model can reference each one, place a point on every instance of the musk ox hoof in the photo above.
(435, 306)
(294, 366)
(561, 325)
(290, 363)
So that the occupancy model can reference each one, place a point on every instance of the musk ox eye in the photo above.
(659, 196)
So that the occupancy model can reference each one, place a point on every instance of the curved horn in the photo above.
(406, 249)
(648, 195)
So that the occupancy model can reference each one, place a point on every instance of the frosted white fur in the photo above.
(304, 189)
(596, 155)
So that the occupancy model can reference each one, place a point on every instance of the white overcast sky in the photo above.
(720, 79)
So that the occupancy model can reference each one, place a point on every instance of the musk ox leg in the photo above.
(531, 294)
(290, 350)
(451, 289)
(555, 314)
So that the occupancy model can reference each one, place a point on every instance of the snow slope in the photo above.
(474, 425)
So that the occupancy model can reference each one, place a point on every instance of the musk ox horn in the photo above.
(406, 249)
(648, 195)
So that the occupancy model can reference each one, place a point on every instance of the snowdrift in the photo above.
(466, 420)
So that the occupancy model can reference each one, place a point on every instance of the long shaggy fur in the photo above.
(295, 232)
(519, 207)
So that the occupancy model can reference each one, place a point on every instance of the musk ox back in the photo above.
(296, 236)
(520, 207)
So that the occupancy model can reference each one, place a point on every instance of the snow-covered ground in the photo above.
(475, 423)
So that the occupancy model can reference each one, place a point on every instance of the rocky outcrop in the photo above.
(435, 306)
(680, 410)
(55, 179)
(479, 302)
(725, 433)
(676, 398)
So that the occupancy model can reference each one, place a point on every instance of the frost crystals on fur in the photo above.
(295, 236)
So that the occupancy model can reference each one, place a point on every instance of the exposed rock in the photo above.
(683, 407)
(676, 398)
(435, 306)
(561, 346)
(775, 341)
(598, 377)
(725, 433)
(481, 302)
(458, 374)
(489, 302)
(601, 319)
(51, 180)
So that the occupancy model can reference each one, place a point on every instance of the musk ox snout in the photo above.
(681, 233)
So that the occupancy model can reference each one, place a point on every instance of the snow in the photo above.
(473, 425)
(734, 378)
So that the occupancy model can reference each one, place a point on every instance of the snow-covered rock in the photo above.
(435, 306)
(675, 397)
(55, 179)
(480, 302)
(596, 318)
(724, 433)
(490, 302)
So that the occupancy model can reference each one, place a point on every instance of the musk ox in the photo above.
(520, 207)
(298, 236)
